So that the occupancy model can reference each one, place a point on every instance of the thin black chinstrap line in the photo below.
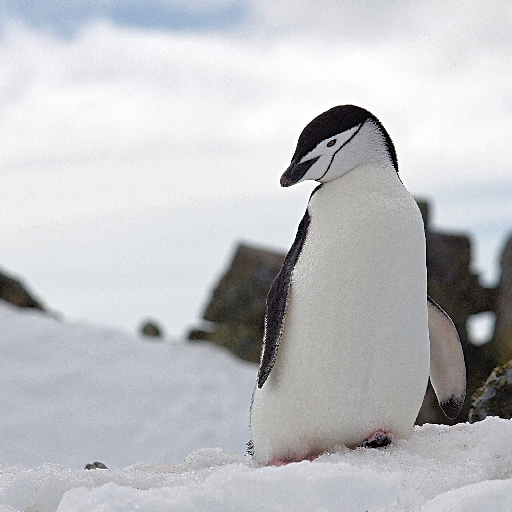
(342, 146)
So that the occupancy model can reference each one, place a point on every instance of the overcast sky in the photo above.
(141, 140)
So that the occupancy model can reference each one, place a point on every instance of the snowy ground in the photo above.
(73, 394)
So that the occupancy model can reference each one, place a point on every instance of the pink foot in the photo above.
(378, 439)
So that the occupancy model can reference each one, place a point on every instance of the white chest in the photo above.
(365, 248)
(354, 353)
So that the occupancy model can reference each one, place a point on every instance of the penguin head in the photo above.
(337, 141)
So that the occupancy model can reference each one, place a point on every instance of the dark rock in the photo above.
(199, 335)
(451, 282)
(240, 296)
(494, 398)
(453, 285)
(151, 329)
(237, 306)
(502, 340)
(13, 291)
(424, 209)
(243, 340)
(96, 465)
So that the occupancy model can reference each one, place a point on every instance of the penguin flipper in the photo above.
(277, 300)
(447, 368)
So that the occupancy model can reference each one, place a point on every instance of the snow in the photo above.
(73, 394)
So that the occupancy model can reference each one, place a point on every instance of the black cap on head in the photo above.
(337, 120)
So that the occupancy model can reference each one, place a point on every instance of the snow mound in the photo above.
(73, 394)
(467, 467)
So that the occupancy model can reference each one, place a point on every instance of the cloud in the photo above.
(112, 91)
(122, 121)
(209, 104)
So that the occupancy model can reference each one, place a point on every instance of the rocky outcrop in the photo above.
(237, 307)
(494, 398)
(453, 285)
(501, 345)
(13, 291)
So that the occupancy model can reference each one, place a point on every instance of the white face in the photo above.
(327, 152)
(335, 156)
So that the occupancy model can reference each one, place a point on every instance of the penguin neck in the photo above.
(366, 179)
(369, 207)
(367, 147)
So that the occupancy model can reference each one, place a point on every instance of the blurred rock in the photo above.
(237, 306)
(501, 345)
(199, 335)
(451, 282)
(13, 291)
(151, 329)
(494, 398)
(424, 210)
(453, 285)
(240, 296)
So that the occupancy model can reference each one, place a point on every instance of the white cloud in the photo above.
(114, 93)
(119, 120)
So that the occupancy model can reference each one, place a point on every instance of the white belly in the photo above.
(354, 354)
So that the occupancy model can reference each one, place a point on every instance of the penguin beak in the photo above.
(296, 172)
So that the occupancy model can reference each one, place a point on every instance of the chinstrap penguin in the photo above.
(350, 334)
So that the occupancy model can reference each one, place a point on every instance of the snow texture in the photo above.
(55, 378)
(73, 394)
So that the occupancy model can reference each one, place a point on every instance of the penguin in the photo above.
(350, 335)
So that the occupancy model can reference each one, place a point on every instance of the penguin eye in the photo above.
(331, 143)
